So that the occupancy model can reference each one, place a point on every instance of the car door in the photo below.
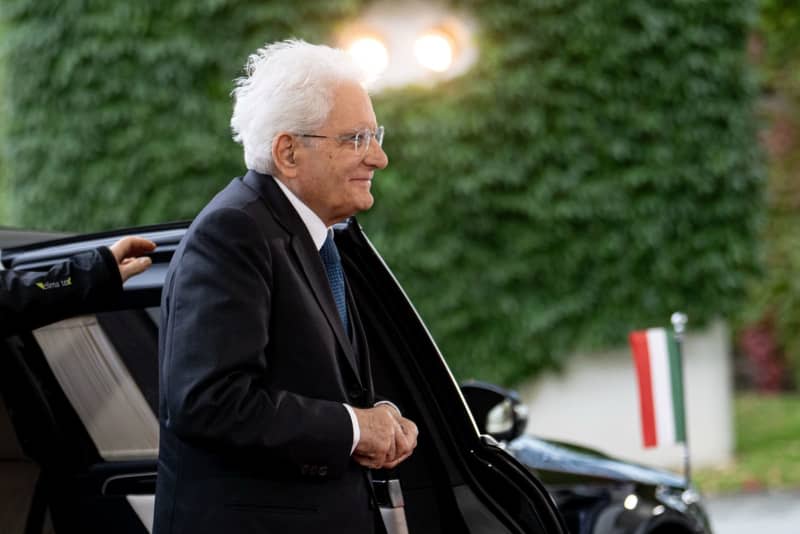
(82, 397)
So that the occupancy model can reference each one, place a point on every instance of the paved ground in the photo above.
(759, 513)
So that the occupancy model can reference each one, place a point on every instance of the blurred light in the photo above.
(658, 510)
(412, 42)
(370, 53)
(630, 502)
(434, 51)
(690, 496)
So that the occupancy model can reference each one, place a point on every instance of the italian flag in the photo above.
(658, 369)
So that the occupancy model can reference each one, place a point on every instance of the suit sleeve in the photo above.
(85, 283)
(215, 359)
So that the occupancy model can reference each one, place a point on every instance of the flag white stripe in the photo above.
(662, 385)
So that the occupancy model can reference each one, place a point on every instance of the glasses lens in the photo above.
(361, 140)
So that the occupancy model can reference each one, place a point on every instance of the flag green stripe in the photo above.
(676, 377)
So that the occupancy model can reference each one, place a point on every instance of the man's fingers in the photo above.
(377, 434)
(134, 267)
(395, 463)
(404, 448)
(392, 452)
(361, 459)
(139, 245)
(412, 431)
(387, 439)
(126, 252)
(406, 440)
(409, 430)
(369, 462)
(131, 246)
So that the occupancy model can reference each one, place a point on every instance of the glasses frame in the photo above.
(356, 138)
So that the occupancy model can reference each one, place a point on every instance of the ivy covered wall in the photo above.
(118, 111)
(770, 323)
(596, 170)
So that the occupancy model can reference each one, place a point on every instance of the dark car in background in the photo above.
(595, 493)
(79, 430)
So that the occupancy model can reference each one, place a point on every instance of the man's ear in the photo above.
(283, 147)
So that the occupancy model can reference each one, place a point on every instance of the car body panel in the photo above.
(600, 494)
(549, 455)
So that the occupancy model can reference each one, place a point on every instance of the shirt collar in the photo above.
(316, 228)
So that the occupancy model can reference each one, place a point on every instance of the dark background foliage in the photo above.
(596, 170)
(769, 329)
(118, 111)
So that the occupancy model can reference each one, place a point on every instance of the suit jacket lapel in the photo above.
(306, 255)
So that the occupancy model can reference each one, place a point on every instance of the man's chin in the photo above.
(359, 205)
(364, 201)
(367, 204)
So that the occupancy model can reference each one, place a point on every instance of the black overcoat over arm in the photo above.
(84, 283)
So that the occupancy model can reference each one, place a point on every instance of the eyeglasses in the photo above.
(360, 139)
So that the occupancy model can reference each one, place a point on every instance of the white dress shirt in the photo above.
(319, 232)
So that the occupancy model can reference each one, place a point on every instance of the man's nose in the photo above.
(376, 157)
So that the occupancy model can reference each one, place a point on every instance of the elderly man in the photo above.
(268, 418)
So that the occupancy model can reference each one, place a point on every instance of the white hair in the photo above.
(288, 87)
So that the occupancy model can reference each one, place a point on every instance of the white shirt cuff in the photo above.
(356, 429)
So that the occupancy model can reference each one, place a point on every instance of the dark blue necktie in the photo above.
(333, 268)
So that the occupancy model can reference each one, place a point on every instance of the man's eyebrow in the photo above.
(362, 127)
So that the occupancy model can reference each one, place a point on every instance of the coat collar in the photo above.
(306, 254)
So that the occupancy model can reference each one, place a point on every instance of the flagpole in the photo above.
(679, 321)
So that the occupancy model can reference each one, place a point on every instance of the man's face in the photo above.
(332, 178)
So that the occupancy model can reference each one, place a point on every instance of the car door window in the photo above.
(100, 384)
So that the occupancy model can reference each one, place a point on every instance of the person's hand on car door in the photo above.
(128, 252)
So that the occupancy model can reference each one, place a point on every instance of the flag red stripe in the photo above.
(641, 358)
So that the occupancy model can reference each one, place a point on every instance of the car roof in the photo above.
(18, 237)
(53, 248)
(42, 255)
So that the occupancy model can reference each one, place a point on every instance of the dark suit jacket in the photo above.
(85, 283)
(254, 366)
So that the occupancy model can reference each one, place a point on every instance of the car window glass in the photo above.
(97, 361)
(134, 334)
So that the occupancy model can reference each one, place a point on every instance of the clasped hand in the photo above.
(387, 438)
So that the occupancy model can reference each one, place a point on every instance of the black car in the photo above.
(79, 431)
(594, 492)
